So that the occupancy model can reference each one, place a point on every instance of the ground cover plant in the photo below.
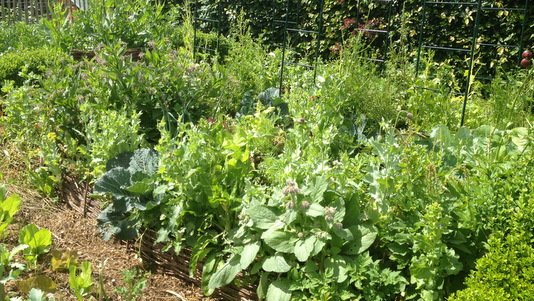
(354, 184)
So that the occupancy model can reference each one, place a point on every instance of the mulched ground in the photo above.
(71, 231)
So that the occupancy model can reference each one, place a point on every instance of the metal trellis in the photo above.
(196, 24)
(295, 29)
(474, 43)
(386, 32)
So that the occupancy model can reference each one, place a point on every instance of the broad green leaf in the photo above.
(279, 291)
(339, 267)
(441, 136)
(11, 204)
(249, 254)
(226, 273)
(145, 161)
(400, 249)
(37, 240)
(85, 275)
(263, 285)
(317, 189)
(42, 240)
(276, 263)
(162, 235)
(211, 263)
(315, 210)
(301, 252)
(318, 246)
(36, 295)
(41, 282)
(26, 234)
(345, 234)
(140, 188)
(262, 217)
(420, 273)
(310, 267)
(339, 204)
(114, 182)
(82, 284)
(281, 241)
(364, 236)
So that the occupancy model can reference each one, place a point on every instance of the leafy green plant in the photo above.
(82, 284)
(134, 288)
(8, 208)
(130, 181)
(35, 294)
(38, 295)
(40, 282)
(9, 266)
(268, 98)
(505, 271)
(109, 134)
(61, 261)
(28, 60)
(37, 240)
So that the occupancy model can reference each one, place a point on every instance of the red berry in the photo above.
(525, 63)
(527, 54)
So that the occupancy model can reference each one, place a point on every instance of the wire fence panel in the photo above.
(30, 11)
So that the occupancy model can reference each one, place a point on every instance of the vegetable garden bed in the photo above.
(343, 181)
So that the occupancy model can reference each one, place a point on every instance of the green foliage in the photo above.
(18, 63)
(364, 187)
(8, 208)
(61, 261)
(38, 295)
(40, 282)
(37, 240)
(82, 284)
(268, 98)
(108, 135)
(9, 266)
(134, 288)
(135, 23)
(505, 271)
(21, 35)
(129, 180)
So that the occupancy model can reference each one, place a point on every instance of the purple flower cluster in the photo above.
(329, 213)
(290, 189)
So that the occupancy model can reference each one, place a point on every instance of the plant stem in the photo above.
(2, 292)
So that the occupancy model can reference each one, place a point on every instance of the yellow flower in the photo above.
(51, 136)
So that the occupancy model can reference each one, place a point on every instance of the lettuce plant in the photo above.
(37, 240)
(82, 285)
(8, 208)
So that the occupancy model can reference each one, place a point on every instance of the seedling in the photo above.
(82, 285)
(38, 242)
(133, 289)
(61, 261)
(8, 208)
(7, 264)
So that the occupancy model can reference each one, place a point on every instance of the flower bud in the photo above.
(305, 205)
(290, 205)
